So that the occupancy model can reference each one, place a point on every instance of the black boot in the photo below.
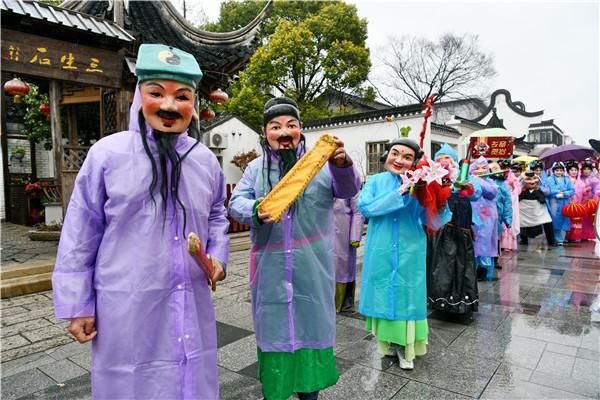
(348, 303)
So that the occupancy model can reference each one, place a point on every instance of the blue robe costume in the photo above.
(556, 185)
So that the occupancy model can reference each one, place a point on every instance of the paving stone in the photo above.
(586, 370)
(79, 388)
(556, 364)
(238, 387)
(62, 370)
(83, 359)
(35, 347)
(419, 391)
(500, 346)
(561, 382)
(238, 355)
(362, 383)
(12, 342)
(24, 327)
(27, 316)
(25, 363)
(347, 336)
(506, 385)
(588, 354)
(228, 334)
(24, 383)
(459, 372)
(561, 349)
(7, 312)
(45, 333)
(591, 338)
(68, 350)
(365, 353)
(26, 300)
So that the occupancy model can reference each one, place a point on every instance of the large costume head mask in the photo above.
(167, 78)
(445, 155)
(281, 123)
(401, 154)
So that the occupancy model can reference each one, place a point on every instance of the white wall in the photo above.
(356, 135)
(240, 138)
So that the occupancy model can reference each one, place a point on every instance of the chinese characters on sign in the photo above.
(492, 147)
(67, 60)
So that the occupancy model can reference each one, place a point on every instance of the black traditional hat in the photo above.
(411, 144)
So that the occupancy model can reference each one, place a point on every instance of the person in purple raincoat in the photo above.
(485, 221)
(292, 271)
(123, 276)
(349, 224)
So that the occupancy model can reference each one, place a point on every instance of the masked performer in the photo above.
(485, 220)
(451, 269)
(349, 225)
(591, 190)
(292, 271)
(123, 275)
(560, 190)
(533, 210)
(508, 240)
(393, 293)
(574, 233)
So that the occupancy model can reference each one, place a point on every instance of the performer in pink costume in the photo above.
(508, 240)
(591, 190)
(574, 234)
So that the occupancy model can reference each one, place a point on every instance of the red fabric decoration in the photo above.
(591, 206)
(433, 197)
(428, 106)
(575, 210)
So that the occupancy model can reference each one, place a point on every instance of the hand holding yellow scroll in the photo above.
(297, 179)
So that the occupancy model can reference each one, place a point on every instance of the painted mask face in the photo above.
(573, 171)
(445, 160)
(558, 172)
(283, 132)
(399, 159)
(168, 106)
(531, 183)
(481, 169)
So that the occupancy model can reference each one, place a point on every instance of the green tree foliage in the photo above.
(51, 2)
(37, 125)
(308, 47)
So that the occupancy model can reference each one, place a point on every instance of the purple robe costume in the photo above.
(485, 215)
(349, 224)
(117, 262)
(292, 274)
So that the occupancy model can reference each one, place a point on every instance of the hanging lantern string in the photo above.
(428, 106)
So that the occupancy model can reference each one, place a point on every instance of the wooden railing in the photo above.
(234, 226)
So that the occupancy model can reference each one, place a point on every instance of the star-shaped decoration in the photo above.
(433, 172)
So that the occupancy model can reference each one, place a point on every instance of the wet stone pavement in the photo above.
(531, 339)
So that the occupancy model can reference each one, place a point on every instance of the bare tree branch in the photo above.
(452, 66)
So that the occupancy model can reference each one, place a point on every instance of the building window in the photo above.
(374, 152)
(435, 146)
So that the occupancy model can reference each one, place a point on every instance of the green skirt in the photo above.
(410, 334)
(303, 371)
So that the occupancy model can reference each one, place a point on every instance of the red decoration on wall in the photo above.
(45, 109)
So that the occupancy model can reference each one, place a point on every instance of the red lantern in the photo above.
(218, 96)
(207, 114)
(574, 210)
(591, 206)
(45, 109)
(16, 87)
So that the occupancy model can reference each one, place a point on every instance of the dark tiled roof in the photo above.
(412, 109)
(220, 55)
(517, 106)
(545, 124)
(348, 98)
(445, 129)
(66, 18)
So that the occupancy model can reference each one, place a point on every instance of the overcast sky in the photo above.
(546, 53)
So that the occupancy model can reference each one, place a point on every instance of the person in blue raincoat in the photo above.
(560, 190)
(292, 271)
(393, 294)
(503, 199)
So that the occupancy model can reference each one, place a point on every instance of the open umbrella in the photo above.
(525, 159)
(564, 153)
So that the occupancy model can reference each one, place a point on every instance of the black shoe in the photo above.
(555, 244)
(523, 243)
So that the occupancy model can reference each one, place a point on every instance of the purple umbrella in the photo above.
(564, 153)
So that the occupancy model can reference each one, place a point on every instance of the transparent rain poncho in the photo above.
(292, 273)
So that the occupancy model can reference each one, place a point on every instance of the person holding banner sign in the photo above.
(292, 270)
